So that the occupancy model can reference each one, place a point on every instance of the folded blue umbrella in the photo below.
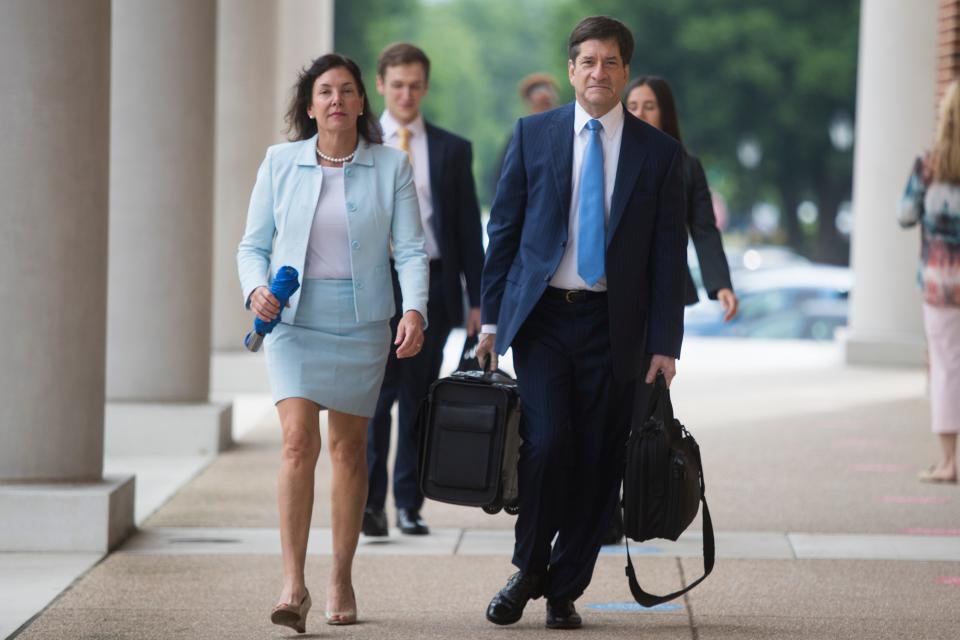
(282, 287)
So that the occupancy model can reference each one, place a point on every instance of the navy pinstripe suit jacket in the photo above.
(646, 236)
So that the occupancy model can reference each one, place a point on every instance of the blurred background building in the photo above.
(131, 131)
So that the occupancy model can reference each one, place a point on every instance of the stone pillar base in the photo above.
(66, 516)
(159, 429)
(883, 349)
(238, 372)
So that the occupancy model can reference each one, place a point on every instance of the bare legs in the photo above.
(300, 423)
(348, 454)
(946, 469)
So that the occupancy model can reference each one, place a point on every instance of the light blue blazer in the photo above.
(381, 209)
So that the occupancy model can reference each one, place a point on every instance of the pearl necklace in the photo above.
(336, 160)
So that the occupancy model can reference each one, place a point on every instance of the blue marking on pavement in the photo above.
(617, 549)
(633, 606)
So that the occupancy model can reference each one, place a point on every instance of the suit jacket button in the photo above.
(359, 284)
(348, 172)
(546, 278)
(355, 244)
(351, 206)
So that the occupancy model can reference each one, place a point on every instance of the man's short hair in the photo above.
(601, 28)
(402, 53)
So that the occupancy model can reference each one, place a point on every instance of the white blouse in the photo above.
(328, 250)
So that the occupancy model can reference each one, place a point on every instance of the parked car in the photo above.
(803, 301)
(749, 260)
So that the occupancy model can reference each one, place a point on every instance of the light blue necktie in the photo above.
(590, 238)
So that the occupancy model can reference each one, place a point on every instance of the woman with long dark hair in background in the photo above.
(650, 98)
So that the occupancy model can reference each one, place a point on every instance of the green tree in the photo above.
(778, 73)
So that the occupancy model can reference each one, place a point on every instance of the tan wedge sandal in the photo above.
(292, 615)
(342, 618)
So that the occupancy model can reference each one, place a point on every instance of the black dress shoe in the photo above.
(410, 523)
(507, 606)
(374, 523)
(561, 614)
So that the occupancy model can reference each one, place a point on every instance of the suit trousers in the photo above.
(407, 382)
(576, 418)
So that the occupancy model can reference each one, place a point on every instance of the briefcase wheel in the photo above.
(492, 508)
(512, 509)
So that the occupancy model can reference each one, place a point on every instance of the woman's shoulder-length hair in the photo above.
(301, 127)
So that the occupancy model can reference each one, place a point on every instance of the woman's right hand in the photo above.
(264, 304)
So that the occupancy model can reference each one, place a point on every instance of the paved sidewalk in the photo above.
(822, 530)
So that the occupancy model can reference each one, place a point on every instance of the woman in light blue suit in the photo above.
(331, 204)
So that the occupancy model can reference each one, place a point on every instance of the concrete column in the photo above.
(161, 219)
(260, 46)
(895, 121)
(54, 128)
(304, 32)
(245, 127)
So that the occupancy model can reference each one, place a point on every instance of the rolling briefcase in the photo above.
(470, 441)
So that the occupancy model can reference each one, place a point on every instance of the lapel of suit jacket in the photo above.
(308, 185)
(435, 153)
(561, 142)
(632, 156)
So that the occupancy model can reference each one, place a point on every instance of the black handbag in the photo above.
(663, 487)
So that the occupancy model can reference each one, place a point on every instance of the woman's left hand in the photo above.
(409, 334)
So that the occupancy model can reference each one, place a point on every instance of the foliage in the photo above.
(777, 72)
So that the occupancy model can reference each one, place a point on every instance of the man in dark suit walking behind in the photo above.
(442, 168)
(584, 279)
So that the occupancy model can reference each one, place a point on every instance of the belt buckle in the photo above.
(570, 296)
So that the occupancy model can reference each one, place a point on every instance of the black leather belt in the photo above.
(574, 295)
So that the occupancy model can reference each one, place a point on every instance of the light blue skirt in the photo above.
(326, 355)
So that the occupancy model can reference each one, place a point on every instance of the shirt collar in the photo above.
(612, 120)
(390, 126)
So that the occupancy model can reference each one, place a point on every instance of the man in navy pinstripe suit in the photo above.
(584, 279)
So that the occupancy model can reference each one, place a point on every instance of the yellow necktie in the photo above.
(404, 134)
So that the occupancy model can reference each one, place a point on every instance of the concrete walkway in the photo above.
(822, 530)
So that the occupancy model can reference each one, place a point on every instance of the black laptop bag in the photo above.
(663, 486)
(470, 441)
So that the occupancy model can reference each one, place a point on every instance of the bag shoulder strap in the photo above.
(709, 550)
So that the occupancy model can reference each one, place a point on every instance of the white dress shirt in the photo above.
(421, 172)
(566, 276)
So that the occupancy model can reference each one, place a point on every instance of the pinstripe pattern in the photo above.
(646, 237)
